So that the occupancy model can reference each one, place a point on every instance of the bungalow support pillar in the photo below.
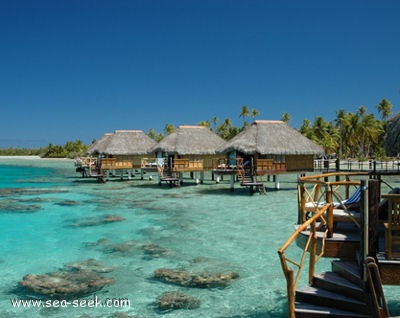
(232, 183)
(277, 185)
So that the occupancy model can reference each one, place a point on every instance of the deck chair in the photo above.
(352, 203)
(345, 211)
(392, 227)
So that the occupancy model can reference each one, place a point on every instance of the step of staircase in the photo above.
(337, 293)
(313, 311)
(334, 282)
(320, 296)
(349, 270)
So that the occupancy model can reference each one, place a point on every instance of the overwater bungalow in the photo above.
(120, 153)
(267, 147)
(187, 149)
(353, 218)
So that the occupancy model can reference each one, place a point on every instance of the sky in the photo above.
(76, 69)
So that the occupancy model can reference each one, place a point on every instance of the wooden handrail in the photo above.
(375, 285)
(291, 279)
(333, 174)
(324, 190)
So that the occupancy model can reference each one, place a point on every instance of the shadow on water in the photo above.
(277, 313)
(394, 308)
(239, 190)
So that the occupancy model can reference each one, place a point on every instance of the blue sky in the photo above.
(76, 69)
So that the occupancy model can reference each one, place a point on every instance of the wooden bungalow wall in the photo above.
(299, 162)
(207, 160)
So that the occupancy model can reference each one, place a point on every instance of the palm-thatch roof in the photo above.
(97, 144)
(190, 140)
(123, 142)
(271, 137)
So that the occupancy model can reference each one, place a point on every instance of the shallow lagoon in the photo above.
(48, 216)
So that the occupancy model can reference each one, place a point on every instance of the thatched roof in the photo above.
(123, 142)
(271, 137)
(97, 144)
(392, 138)
(190, 140)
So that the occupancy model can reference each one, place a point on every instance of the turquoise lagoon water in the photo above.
(200, 228)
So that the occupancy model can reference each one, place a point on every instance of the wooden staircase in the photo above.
(247, 179)
(338, 293)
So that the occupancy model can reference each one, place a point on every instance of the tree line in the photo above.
(349, 135)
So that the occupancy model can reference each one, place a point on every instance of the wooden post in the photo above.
(329, 199)
(301, 217)
(364, 226)
(291, 294)
(374, 196)
(313, 253)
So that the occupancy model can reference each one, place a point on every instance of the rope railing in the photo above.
(292, 278)
(372, 165)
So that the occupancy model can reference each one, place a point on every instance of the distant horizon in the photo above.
(74, 70)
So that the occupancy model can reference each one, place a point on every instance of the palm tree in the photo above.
(286, 117)
(226, 130)
(340, 115)
(384, 108)
(245, 112)
(254, 113)
(306, 127)
(362, 110)
(205, 123)
(215, 121)
(169, 128)
(155, 135)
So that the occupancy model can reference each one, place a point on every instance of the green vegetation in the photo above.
(70, 149)
(350, 135)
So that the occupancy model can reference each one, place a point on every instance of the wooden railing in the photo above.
(115, 164)
(182, 165)
(316, 191)
(292, 276)
(85, 161)
(151, 163)
(224, 163)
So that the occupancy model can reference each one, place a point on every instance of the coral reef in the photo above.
(90, 265)
(154, 250)
(65, 284)
(177, 300)
(199, 280)
(105, 219)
